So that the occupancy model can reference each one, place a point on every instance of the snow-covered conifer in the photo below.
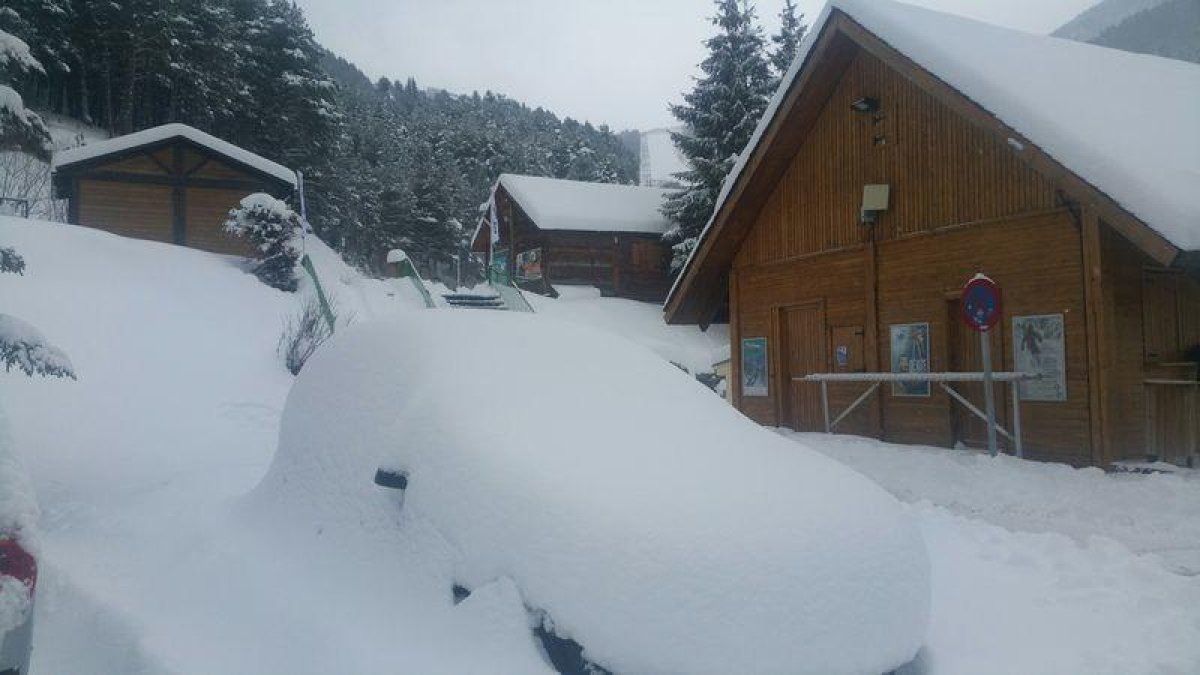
(720, 114)
(274, 230)
(791, 32)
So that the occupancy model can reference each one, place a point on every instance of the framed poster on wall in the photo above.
(910, 354)
(1039, 346)
(754, 367)
(529, 265)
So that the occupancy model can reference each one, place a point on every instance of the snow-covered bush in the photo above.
(11, 261)
(25, 347)
(303, 334)
(20, 128)
(22, 345)
(274, 230)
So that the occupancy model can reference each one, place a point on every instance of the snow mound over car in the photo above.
(639, 513)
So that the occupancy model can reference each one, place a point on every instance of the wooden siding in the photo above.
(206, 212)
(1037, 262)
(218, 170)
(942, 170)
(1035, 259)
(173, 194)
(625, 264)
(141, 165)
(764, 292)
(128, 209)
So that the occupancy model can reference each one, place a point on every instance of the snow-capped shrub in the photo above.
(11, 261)
(21, 129)
(273, 228)
(23, 346)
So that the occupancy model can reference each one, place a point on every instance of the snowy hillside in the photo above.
(640, 322)
(1093, 22)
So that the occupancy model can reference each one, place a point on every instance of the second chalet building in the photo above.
(907, 150)
(564, 232)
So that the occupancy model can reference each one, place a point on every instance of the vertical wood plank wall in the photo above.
(604, 259)
(961, 202)
(138, 207)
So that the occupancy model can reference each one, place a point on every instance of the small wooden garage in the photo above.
(908, 150)
(554, 232)
(171, 183)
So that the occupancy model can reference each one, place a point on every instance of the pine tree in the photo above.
(273, 229)
(720, 114)
(787, 41)
(20, 128)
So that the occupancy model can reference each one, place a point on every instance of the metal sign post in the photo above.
(981, 310)
(989, 404)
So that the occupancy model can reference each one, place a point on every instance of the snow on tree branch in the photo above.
(23, 346)
(11, 261)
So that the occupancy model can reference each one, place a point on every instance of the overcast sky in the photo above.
(614, 62)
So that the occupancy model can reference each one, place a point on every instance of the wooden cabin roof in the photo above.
(76, 160)
(1113, 130)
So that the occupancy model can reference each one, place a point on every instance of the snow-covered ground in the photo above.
(640, 322)
(1043, 568)
(152, 562)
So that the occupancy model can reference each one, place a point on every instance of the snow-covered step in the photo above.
(474, 300)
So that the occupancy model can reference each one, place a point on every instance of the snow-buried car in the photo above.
(644, 517)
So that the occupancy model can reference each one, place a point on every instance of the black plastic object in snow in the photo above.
(460, 593)
(389, 478)
(565, 654)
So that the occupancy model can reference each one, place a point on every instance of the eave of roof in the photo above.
(66, 161)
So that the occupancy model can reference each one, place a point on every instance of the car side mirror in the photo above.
(391, 478)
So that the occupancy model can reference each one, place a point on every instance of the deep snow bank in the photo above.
(655, 525)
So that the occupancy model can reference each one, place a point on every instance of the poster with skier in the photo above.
(1039, 346)
(754, 367)
(910, 354)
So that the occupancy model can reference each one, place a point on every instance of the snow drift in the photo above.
(652, 523)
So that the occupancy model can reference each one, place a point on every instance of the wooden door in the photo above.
(802, 335)
(966, 356)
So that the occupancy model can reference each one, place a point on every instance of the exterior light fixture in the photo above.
(866, 104)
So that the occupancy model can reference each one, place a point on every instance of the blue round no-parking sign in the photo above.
(981, 303)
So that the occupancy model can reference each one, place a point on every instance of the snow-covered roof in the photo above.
(1126, 123)
(556, 204)
(165, 132)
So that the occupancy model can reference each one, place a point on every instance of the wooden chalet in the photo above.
(907, 150)
(562, 232)
(171, 183)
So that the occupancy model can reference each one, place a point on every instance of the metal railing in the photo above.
(942, 380)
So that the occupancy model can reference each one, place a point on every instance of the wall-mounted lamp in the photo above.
(874, 202)
(866, 104)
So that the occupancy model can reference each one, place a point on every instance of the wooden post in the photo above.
(1097, 337)
(825, 403)
(872, 357)
(178, 197)
(735, 343)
